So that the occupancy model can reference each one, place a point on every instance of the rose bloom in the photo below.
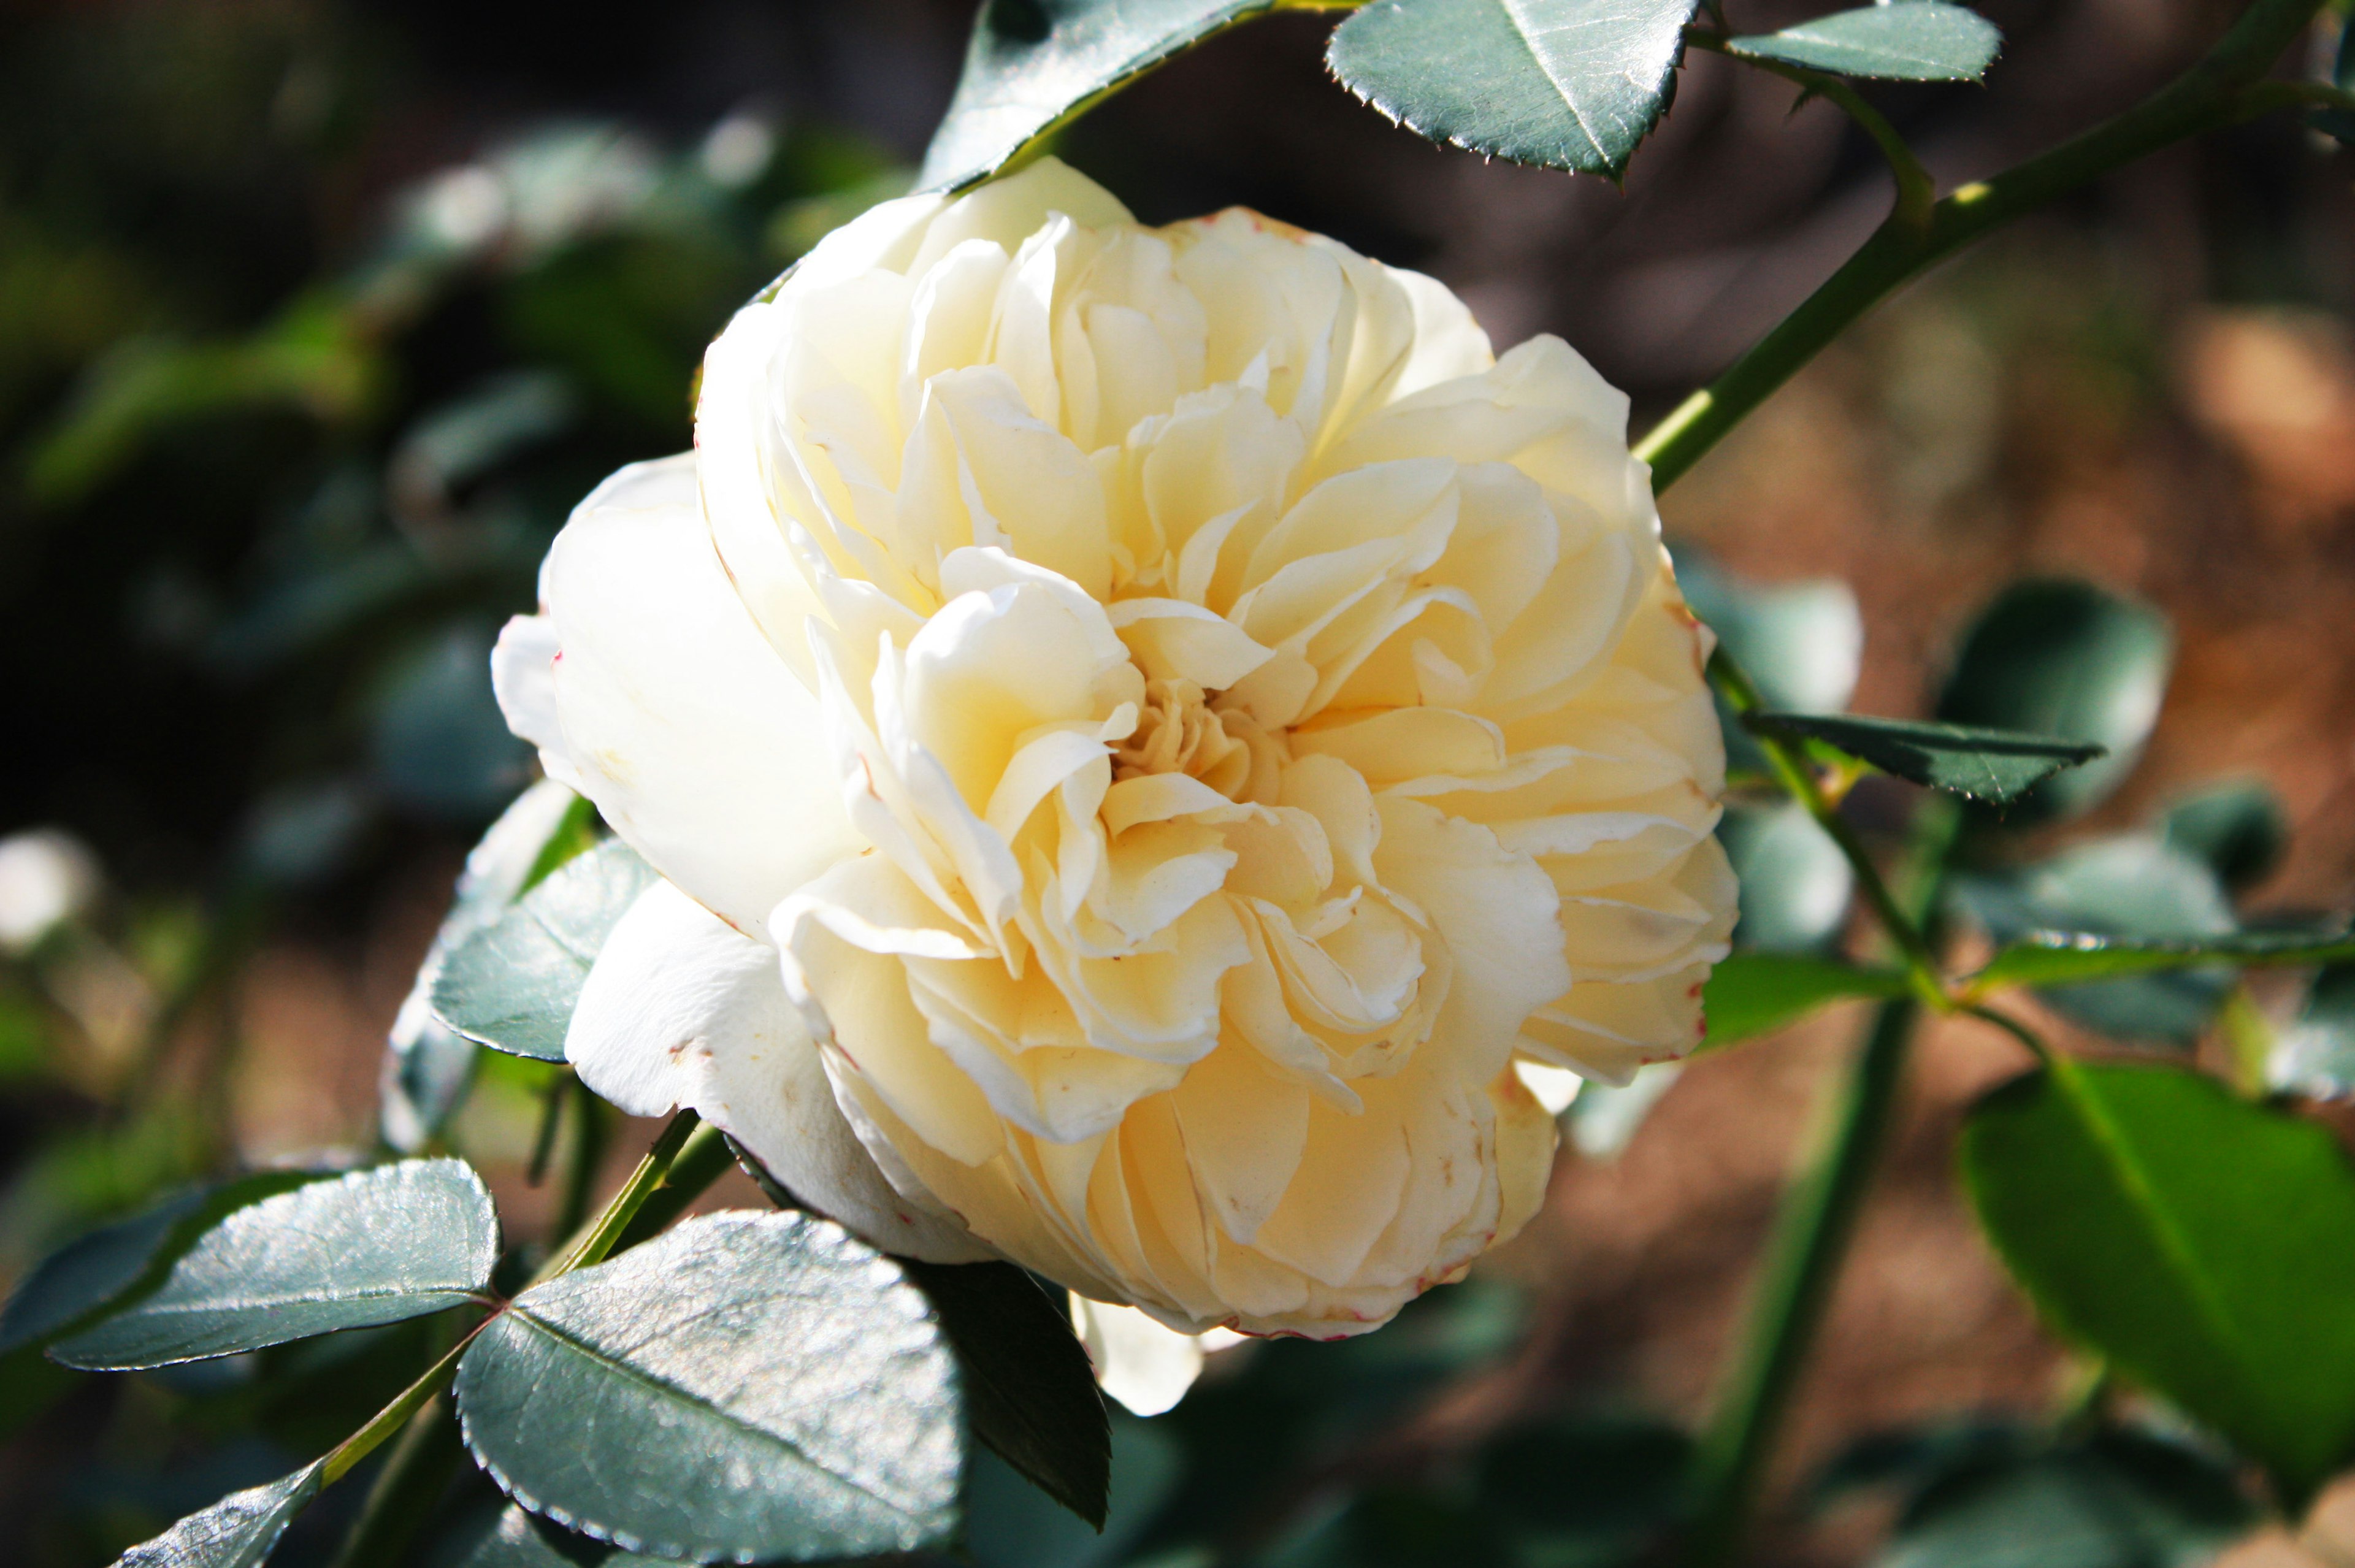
(1148, 734)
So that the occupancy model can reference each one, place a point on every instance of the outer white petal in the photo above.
(523, 679)
(1145, 1366)
(681, 1010)
(695, 740)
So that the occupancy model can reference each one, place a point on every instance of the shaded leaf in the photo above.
(1751, 994)
(376, 1246)
(1563, 83)
(239, 1532)
(513, 984)
(2315, 1055)
(1995, 766)
(2119, 1499)
(74, 1284)
(428, 1065)
(1914, 40)
(2133, 893)
(1794, 882)
(1033, 65)
(1009, 1523)
(1585, 1487)
(1029, 1392)
(2067, 660)
(2059, 957)
(2238, 828)
(746, 1387)
(2203, 1245)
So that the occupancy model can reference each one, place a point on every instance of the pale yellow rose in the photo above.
(1142, 729)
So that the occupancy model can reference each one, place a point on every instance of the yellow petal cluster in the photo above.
(1187, 718)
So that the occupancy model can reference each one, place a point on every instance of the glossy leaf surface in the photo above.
(1029, 1392)
(2070, 661)
(1912, 40)
(374, 1247)
(239, 1532)
(1995, 766)
(513, 985)
(2203, 1245)
(744, 1388)
(515, 1539)
(1568, 84)
(1751, 994)
(1033, 64)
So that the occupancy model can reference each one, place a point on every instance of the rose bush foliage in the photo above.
(1148, 735)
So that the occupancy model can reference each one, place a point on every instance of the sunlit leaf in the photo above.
(1913, 41)
(513, 984)
(239, 1532)
(1034, 64)
(374, 1247)
(743, 1388)
(1029, 1392)
(1995, 766)
(516, 1538)
(1751, 994)
(1570, 84)
(2203, 1245)
(2067, 660)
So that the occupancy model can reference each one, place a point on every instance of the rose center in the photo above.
(1179, 732)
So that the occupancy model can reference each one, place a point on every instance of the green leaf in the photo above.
(2135, 893)
(2238, 828)
(1009, 1523)
(1751, 994)
(428, 1065)
(2070, 661)
(376, 1246)
(2118, 1498)
(1029, 1392)
(1568, 84)
(2061, 957)
(515, 1539)
(1912, 40)
(1794, 882)
(1995, 766)
(2315, 1055)
(75, 1284)
(2204, 1245)
(746, 1387)
(1585, 1487)
(1034, 65)
(239, 1532)
(512, 985)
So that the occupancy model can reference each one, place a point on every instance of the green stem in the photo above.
(1811, 1237)
(346, 1455)
(598, 1240)
(414, 1477)
(2224, 89)
(1798, 779)
(591, 1126)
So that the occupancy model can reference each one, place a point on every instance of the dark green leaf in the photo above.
(2239, 828)
(428, 1065)
(2315, 1055)
(2067, 660)
(2204, 1245)
(1751, 994)
(1029, 1390)
(372, 1247)
(1795, 881)
(2135, 893)
(74, 1284)
(1009, 1523)
(1991, 766)
(513, 984)
(239, 1532)
(1913, 41)
(1585, 1487)
(2121, 1499)
(1034, 65)
(744, 1388)
(1564, 83)
(2058, 957)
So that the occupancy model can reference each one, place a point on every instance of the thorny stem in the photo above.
(2224, 88)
